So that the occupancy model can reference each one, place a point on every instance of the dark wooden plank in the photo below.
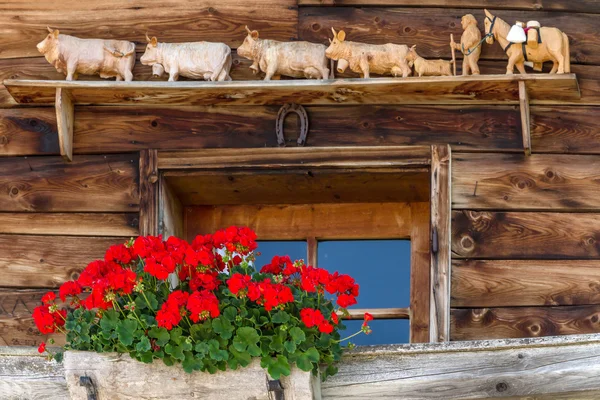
(517, 182)
(517, 322)
(524, 235)
(430, 28)
(420, 319)
(496, 283)
(71, 224)
(89, 183)
(587, 6)
(48, 261)
(170, 21)
(440, 267)
(301, 187)
(565, 130)
(298, 222)
(149, 192)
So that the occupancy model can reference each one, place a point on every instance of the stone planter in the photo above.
(117, 376)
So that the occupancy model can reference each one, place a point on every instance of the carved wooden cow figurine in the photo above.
(274, 58)
(196, 60)
(72, 56)
(425, 67)
(386, 59)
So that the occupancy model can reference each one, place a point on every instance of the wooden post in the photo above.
(311, 251)
(440, 243)
(148, 192)
(525, 117)
(64, 122)
(420, 265)
(453, 54)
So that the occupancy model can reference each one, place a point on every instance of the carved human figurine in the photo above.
(385, 59)
(470, 45)
(71, 56)
(294, 59)
(425, 67)
(195, 60)
(553, 45)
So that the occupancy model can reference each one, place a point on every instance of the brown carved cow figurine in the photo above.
(72, 56)
(425, 67)
(386, 59)
(274, 58)
(195, 60)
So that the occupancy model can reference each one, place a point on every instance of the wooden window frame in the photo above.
(161, 211)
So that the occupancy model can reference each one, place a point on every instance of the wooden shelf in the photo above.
(482, 89)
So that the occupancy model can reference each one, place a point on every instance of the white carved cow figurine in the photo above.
(196, 60)
(385, 59)
(274, 58)
(72, 56)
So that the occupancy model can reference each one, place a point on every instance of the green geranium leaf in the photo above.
(297, 335)
(176, 335)
(223, 327)
(215, 352)
(312, 354)
(168, 360)
(125, 330)
(202, 349)
(290, 346)
(245, 337)
(242, 358)
(146, 357)
(109, 320)
(306, 360)
(278, 366)
(160, 334)
(191, 363)
(143, 345)
(152, 299)
(280, 317)
(276, 344)
(230, 313)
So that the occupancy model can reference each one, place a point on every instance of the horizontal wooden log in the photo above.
(298, 222)
(16, 324)
(541, 369)
(525, 235)
(379, 313)
(520, 182)
(48, 261)
(430, 28)
(565, 130)
(517, 322)
(72, 224)
(506, 283)
(300, 187)
(587, 6)
(90, 183)
(170, 21)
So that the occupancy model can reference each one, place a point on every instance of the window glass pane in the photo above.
(267, 249)
(382, 269)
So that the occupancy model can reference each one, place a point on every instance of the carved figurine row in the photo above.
(212, 61)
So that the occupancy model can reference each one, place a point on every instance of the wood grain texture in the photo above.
(420, 319)
(64, 122)
(170, 21)
(71, 224)
(16, 324)
(88, 184)
(587, 6)
(170, 212)
(298, 157)
(300, 186)
(48, 261)
(430, 28)
(440, 268)
(506, 283)
(517, 182)
(149, 192)
(298, 222)
(525, 118)
(532, 369)
(516, 322)
(439, 90)
(565, 130)
(525, 235)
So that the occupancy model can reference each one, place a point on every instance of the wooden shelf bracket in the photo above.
(525, 117)
(65, 109)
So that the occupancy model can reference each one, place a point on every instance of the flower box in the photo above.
(117, 376)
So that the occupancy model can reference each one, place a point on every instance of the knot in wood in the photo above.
(3, 140)
(14, 191)
(501, 386)
(153, 178)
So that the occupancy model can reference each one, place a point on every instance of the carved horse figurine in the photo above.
(554, 46)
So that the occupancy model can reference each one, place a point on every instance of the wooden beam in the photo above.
(541, 368)
(311, 251)
(379, 313)
(70, 224)
(64, 122)
(170, 212)
(148, 193)
(419, 273)
(525, 117)
(440, 243)
(479, 89)
(299, 222)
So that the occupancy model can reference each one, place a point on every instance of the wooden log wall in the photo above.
(525, 230)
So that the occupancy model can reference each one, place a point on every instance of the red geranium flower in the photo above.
(238, 282)
(335, 318)
(48, 298)
(42, 348)
(69, 288)
(346, 300)
(202, 305)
